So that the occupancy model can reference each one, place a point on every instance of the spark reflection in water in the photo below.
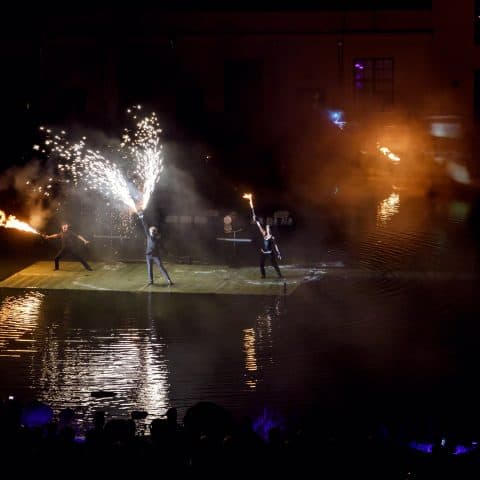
(70, 362)
(130, 362)
(258, 343)
(19, 316)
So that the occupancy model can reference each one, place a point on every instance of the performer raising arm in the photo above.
(269, 248)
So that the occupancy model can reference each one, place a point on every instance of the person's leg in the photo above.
(79, 258)
(58, 256)
(159, 264)
(149, 268)
(273, 259)
(262, 264)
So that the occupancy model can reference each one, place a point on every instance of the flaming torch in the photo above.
(12, 222)
(389, 154)
(249, 197)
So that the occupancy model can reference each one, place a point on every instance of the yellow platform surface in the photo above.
(132, 277)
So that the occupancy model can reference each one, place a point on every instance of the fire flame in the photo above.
(12, 222)
(388, 153)
(249, 197)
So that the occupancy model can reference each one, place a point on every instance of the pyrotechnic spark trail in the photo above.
(104, 176)
(92, 170)
(144, 148)
(140, 148)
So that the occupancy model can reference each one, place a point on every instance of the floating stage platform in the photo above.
(132, 277)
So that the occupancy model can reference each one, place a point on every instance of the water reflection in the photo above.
(19, 316)
(458, 211)
(258, 343)
(388, 304)
(129, 361)
(388, 208)
(250, 357)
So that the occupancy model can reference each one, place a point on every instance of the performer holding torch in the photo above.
(269, 245)
(269, 249)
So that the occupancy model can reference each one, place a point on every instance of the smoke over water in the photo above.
(422, 151)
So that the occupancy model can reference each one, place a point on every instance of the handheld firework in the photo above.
(140, 151)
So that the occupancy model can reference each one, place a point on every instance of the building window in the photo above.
(373, 81)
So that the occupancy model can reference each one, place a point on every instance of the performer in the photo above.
(152, 251)
(68, 245)
(269, 248)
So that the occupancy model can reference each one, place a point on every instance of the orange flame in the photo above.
(249, 197)
(12, 222)
(388, 153)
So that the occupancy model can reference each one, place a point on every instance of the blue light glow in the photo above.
(265, 422)
(337, 118)
(428, 448)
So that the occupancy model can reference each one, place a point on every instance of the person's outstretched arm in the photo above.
(277, 250)
(85, 241)
(54, 235)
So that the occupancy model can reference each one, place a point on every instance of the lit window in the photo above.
(373, 81)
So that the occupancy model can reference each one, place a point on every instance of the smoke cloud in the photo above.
(23, 189)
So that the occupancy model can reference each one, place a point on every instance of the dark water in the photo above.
(392, 332)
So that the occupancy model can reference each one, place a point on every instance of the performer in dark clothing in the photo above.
(68, 245)
(152, 251)
(269, 249)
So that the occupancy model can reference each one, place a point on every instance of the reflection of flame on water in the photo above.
(18, 316)
(12, 222)
(257, 343)
(388, 208)
(251, 359)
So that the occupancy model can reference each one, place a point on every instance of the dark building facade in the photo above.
(253, 82)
